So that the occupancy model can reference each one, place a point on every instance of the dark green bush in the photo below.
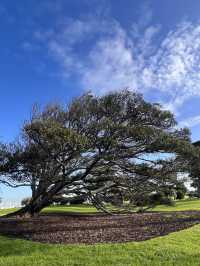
(180, 194)
(25, 201)
(156, 198)
(152, 200)
(141, 200)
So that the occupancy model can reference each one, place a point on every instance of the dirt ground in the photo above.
(97, 228)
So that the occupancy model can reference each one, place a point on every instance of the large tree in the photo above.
(117, 144)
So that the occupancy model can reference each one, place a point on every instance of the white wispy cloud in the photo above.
(105, 56)
(176, 64)
(190, 122)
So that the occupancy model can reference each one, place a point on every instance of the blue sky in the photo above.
(56, 49)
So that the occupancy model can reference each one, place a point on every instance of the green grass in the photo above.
(5, 211)
(181, 205)
(82, 208)
(72, 208)
(180, 248)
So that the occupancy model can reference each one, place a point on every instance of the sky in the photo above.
(54, 50)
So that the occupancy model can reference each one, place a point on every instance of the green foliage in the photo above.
(25, 201)
(180, 194)
(158, 198)
(194, 169)
(94, 146)
(181, 190)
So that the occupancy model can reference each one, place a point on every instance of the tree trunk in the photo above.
(39, 202)
(31, 209)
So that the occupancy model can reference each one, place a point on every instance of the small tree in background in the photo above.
(181, 190)
(195, 170)
(117, 144)
(25, 201)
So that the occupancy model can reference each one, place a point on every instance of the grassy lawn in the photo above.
(181, 205)
(181, 248)
(72, 208)
(82, 208)
(5, 211)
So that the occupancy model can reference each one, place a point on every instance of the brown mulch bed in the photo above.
(97, 228)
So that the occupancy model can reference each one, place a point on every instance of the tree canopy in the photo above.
(100, 147)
